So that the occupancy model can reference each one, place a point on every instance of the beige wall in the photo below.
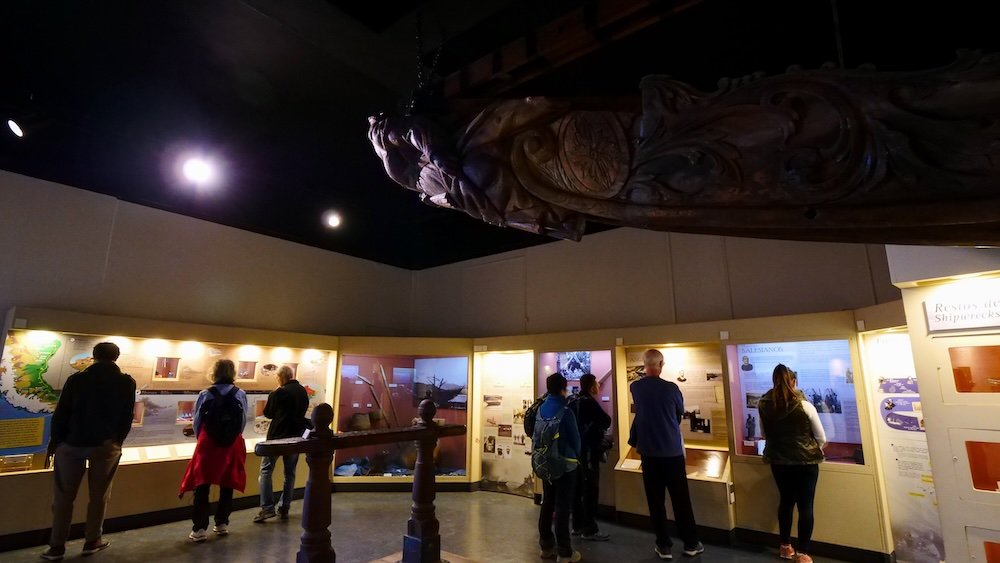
(910, 264)
(65, 248)
(630, 277)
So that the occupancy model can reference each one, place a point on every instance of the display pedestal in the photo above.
(445, 558)
(427, 548)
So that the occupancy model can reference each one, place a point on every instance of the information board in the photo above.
(825, 376)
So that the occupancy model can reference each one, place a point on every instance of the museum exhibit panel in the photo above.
(505, 388)
(696, 368)
(822, 348)
(171, 364)
(952, 303)
(898, 419)
(573, 365)
(826, 378)
(384, 391)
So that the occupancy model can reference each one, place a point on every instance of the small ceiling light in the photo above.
(15, 128)
(332, 219)
(198, 171)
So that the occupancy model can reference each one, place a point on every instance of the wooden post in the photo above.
(316, 545)
(422, 543)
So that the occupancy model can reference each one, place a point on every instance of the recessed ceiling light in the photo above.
(198, 170)
(15, 128)
(332, 219)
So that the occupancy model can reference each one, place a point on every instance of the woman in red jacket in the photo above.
(219, 416)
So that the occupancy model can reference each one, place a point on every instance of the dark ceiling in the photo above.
(280, 91)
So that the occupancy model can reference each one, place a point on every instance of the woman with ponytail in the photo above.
(794, 449)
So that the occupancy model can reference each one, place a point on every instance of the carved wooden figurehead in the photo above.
(826, 155)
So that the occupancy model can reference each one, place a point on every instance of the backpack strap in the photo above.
(214, 391)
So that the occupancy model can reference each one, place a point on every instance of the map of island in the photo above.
(22, 373)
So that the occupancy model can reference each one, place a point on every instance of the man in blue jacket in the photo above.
(557, 494)
(656, 435)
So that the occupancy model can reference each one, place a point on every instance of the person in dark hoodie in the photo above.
(556, 424)
(593, 422)
(794, 448)
(90, 423)
(286, 407)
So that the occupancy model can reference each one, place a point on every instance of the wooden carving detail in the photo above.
(837, 155)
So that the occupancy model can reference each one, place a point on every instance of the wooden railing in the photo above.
(422, 542)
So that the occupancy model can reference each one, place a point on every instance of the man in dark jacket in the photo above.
(656, 435)
(286, 407)
(90, 423)
(593, 423)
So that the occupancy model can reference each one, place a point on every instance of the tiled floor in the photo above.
(484, 527)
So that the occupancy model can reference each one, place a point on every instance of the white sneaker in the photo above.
(198, 536)
(221, 530)
(698, 549)
(569, 558)
(664, 553)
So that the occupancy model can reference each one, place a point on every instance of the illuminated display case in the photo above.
(384, 391)
(169, 374)
(702, 464)
(898, 420)
(506, 383)
(697, 371)
(825, 376)
(976, 369)
(573, 364)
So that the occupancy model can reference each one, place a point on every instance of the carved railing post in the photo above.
(422, 543)
(316, 545)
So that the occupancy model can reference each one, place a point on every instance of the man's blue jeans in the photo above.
(267, 488)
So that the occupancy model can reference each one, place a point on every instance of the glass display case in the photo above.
(703, 464)
(984, 465)
(976, 368)
(826, 378)
(573, 365)
(168, 374)
(697, 371)
(384, 391)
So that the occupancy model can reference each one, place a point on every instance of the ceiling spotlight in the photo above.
(198, 171)
(15, 128)
(332, 219)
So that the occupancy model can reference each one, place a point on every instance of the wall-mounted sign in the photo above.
(963, 312)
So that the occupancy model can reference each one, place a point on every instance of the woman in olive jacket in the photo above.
(794, 449)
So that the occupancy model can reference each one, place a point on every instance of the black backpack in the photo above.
(530, 413)
(546, 461)
(222, 416)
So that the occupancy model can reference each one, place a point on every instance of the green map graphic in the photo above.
(32, 380)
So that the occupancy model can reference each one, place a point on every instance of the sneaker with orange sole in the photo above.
(803, 558)
(786, 551)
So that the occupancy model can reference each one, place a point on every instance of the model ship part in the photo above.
(388, 396)
(375, 397)
(825, 155)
